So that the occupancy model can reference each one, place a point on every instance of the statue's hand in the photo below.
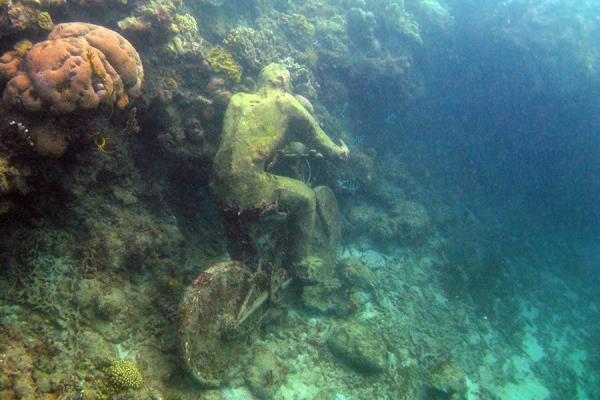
(343, 151)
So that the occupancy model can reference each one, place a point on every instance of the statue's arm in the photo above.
(313, 134)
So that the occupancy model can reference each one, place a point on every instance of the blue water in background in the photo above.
(523, 132)
(512, 116)
(512, 119)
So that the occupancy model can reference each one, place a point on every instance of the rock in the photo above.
(355, 345)
(211, 395)
(356, 273)
(42, 380)
(411, 220)
(449, 381)
(265, 374)
(111, 304)
(125, 196)
(322, 300)
(323, 291)
(406, 222)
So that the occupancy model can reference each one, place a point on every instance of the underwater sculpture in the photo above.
(80, 66)
(276, 226)
(256, 127)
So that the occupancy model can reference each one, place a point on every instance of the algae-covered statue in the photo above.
(276, 226)
(257, 126)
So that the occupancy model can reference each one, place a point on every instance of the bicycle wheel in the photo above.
(212, 339)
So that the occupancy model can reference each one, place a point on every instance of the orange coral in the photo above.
(118, 51)
(79, 67)
(9, 64)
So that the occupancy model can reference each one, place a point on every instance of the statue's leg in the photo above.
(327, 236)
(299, 202)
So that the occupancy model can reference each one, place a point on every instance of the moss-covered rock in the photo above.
(356, 344)
(450, 381)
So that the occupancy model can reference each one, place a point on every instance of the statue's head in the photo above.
(275, 76)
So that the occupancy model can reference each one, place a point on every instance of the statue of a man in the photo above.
(256, 127)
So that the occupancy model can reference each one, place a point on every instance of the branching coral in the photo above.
(50, 285)
(80, 66)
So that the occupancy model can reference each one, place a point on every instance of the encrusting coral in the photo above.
(80, 66)
(223, 61)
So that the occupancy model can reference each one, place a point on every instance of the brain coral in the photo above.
(79, 67)
(123, 375)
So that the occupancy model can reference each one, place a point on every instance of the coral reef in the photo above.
(361, 26)
(21, 16)
(256, 48)
(108, 228)
(168, 22)
(298, 28)
(80, 66)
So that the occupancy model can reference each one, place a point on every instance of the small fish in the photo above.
(391, 119)
(348, 185)
(357, 141)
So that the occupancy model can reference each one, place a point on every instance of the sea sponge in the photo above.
(49, 141)
(123, 375)
(79, 67)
